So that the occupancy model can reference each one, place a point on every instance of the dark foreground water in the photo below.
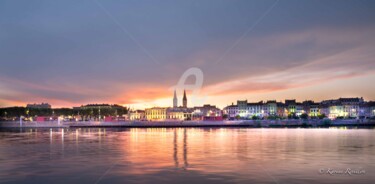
(191, 155)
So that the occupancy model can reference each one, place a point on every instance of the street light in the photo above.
(21, 121)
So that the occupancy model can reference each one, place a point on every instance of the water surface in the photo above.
(186, 155)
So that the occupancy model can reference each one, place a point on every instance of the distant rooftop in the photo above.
(39, 106)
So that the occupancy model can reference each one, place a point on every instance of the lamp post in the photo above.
(99, 113)
(21, 121)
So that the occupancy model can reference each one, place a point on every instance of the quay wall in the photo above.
(238, 123)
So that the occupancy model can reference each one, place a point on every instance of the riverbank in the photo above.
(166, 124)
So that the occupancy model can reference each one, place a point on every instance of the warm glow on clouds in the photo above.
(73, 59)
(333, 68)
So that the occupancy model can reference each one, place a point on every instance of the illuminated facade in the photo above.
(294, 108)
(137, 115)
(311, 108)
(254, 109)
(179, 114)
(270, 108)
(246, 110)
(336, 111)
(337, 108)
(343, 107)
(231, 111)
(167, 113)
(281, 110)
(156, 113)
(314, 111)
(206, 111)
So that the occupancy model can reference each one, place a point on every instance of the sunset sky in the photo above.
(69, 53)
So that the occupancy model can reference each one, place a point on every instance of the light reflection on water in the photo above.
(185, 155)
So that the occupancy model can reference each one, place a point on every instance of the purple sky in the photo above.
(131, 52)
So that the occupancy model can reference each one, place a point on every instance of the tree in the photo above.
(304, 116)
(238, 117)
(292, 116)
(40, 112)
(225, 116)
(12, 112)
(322, 116)
(64, 112)
(273, 117)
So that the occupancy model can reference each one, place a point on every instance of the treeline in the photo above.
(276, 117)
(95, 112)
(15, 112)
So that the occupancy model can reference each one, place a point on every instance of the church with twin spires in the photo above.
(182, 113)
(170, 113)
(175, 100)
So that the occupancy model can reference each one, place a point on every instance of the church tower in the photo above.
(175, 100)
(184, 100)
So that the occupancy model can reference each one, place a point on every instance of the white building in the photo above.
(156, 113)
(137, 115)
(231, 111)
(342, 107)
(206, 111)
(248, 110)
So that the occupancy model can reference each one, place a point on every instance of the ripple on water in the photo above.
(184, 155)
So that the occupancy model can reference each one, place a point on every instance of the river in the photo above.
(187, 155)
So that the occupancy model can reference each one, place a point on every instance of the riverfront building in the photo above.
(170, 113)
(247, 110)
(353, 108)
(137, 115)
(180, 113)
(231, 111)
(206, 112)
(336, 108)
(343, 107)
(156, 113)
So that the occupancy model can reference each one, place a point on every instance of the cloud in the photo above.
(335, 55)
(75, 63)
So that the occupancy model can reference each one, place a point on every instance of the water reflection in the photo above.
(175, 148)
(184, 149)
(184, 155)
(186, 164)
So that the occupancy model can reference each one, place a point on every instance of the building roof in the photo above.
(231, 106)
(137, 111)
(255, 103)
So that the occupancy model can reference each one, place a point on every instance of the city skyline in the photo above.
(177, 102)
(341, 108)
(69, 54)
